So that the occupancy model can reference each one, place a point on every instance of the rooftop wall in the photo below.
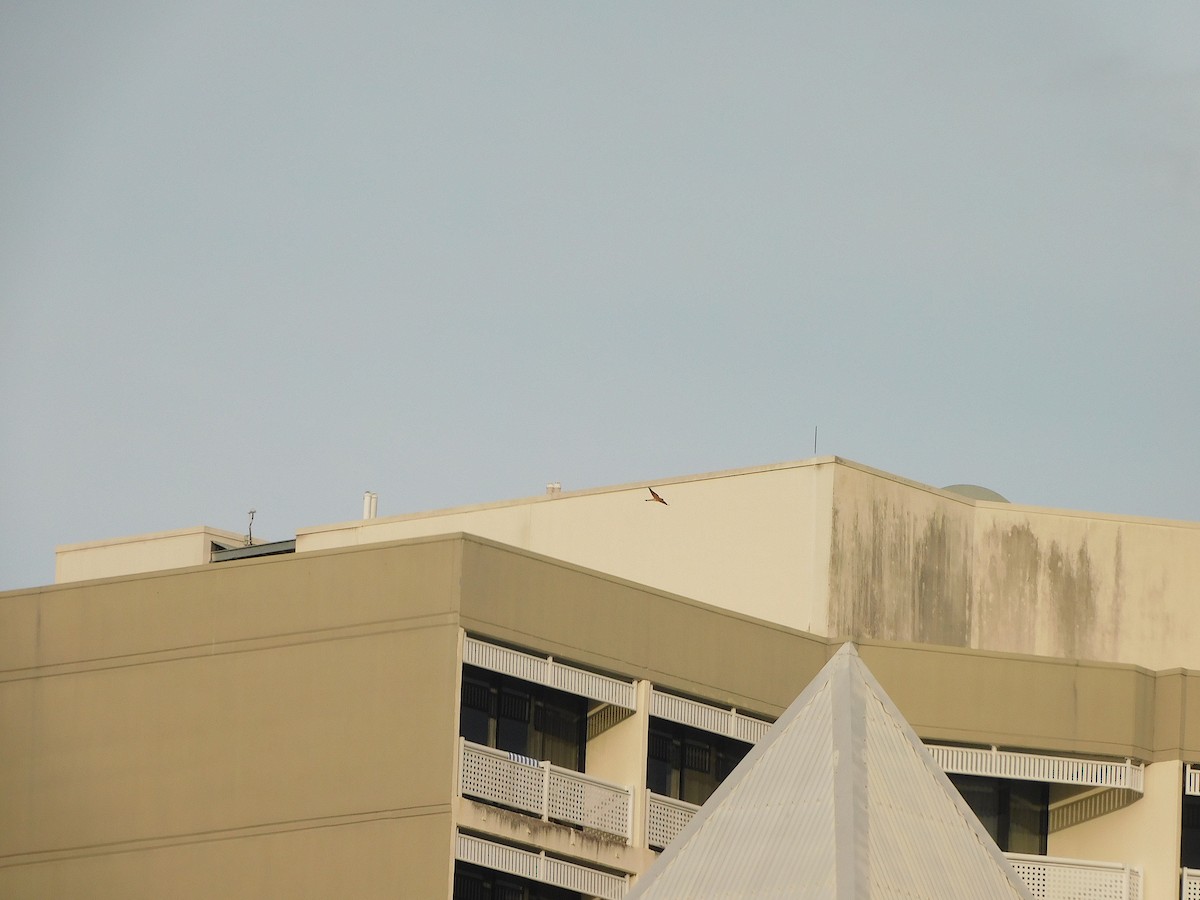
(1087, 586)
(900, 560)
(753, 540)
(825, 546)
(838, 549)
(140, 553)
(912, 563)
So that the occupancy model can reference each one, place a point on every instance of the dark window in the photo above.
(476, 712)
(727, 761)
(476, 883)
(663, 764)
(521, 717)
(1015, 813)
(687, 763)
(513, 730)
(1189, 846)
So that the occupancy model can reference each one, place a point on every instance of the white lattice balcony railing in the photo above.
(546, 670)
(1052, 878)
(665, 818)
(715, 719)
(1037, 767)
(1189, 884)
(540, 867)
(1191, 780)
(546, 791)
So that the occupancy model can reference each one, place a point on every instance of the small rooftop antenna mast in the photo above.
(250, 530)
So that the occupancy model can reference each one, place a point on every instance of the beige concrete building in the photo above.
(529, 699)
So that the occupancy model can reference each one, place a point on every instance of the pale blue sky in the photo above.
(272, 255)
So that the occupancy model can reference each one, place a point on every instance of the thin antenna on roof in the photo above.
(250, 530)
(814, 440)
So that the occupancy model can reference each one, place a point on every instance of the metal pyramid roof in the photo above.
(840, 800)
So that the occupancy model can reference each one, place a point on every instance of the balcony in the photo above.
(1126, 775)
(1121, 775)
(715, 719)
(540, 867)
(550, 672)
(1046, 877)
(544, 790)
(1191, 780)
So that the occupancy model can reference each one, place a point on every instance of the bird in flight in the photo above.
(654, 498)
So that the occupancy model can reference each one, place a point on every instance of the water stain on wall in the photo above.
(898, 575)
(1043, 596)
(1009, 589)
(1071, 596)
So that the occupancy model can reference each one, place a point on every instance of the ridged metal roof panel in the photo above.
(923, 840)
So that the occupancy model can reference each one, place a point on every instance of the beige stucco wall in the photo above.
(755, 541)
(1087, 586)
(1144, 833)
(829, 547)
(900, 560)
(278, 727)
(612, 625)
(946, 693)
(379, 859)
(912, 563)
(839, 549)
(139, 553)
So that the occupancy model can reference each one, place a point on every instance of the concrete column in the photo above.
(618, 754)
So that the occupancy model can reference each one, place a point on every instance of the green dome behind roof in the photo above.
(975, 492)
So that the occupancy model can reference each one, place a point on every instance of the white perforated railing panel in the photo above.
(545, 790)
(665, 818)
(575, 798)
(493, 776)
(1191, 884)
(1056, 879)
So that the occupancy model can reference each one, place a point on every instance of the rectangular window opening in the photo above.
(1015, 813)
(518, 716)
(687, 763)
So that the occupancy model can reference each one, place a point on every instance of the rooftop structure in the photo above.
(833, 548)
